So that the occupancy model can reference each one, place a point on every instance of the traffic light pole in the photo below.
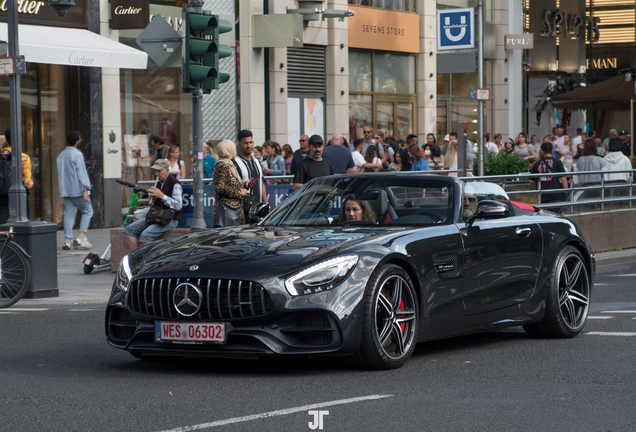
(480, 83)
(198, 221)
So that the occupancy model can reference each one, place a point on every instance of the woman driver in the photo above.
(356, 210)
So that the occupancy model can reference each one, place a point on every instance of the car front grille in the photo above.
(222, 298)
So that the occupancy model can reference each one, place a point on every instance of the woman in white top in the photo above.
(177, 166)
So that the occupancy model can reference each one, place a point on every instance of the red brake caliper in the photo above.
(402, 325)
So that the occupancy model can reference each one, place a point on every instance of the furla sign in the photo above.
(129, 14)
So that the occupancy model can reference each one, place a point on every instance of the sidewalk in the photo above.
(77, 288)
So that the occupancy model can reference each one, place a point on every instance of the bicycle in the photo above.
(15, 270)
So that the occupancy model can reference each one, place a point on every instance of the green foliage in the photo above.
(502, 164)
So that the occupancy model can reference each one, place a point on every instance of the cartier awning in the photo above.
(74, 47)
(613, 94)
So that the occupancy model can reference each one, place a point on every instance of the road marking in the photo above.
(620, 311)
(276, 413)
(624, 275)
(19, 309)
(81, 310)
(8, 313)
(600, 317)
(610, 334)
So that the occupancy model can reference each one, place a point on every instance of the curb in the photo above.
(611, 258)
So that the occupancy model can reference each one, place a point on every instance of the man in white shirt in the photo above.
(248, 167)
(358, 160)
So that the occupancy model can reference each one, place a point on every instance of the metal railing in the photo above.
(519, 186)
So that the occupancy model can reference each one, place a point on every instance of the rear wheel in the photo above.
(94, 261)
(568, 299)
(15, 275)
(390, 320)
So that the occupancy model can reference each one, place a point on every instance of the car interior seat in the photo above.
(379, 202)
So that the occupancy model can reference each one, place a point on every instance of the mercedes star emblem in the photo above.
(187, 299)
(194, 267)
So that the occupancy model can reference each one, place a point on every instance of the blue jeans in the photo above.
(85, 207)
(148, 233)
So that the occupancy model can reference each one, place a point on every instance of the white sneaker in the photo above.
(82, 242)
(68, 244)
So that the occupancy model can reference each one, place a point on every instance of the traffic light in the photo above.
(202, 51)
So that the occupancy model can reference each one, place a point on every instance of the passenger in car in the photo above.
(356, 210)
(470, 201)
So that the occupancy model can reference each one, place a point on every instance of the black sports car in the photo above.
(364, 266)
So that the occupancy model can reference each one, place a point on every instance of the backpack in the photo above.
(6, 177)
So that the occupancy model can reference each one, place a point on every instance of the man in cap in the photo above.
(166, 194)
(314, 166)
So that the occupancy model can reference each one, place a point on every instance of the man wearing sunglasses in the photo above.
(369, 141)
(300, 154)
(470, 201)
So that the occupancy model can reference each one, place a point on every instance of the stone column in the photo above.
(278, 83)
(337, 59)
(500, 97)
(252, 73)
(111, 130)
(427, 71)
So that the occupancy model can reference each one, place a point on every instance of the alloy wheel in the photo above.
(395, 317)
(574, 291)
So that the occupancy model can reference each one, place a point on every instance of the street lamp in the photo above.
(61, 6)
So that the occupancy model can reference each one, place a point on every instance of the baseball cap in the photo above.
(161, 164)
(315, 139)
(623, 133)
(447, 137)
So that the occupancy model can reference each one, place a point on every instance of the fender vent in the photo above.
(447, 265)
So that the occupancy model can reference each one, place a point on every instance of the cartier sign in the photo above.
(37, 12)
(129, 14)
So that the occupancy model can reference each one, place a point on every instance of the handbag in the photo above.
(227, 216)
(158, 215)
(248, 202)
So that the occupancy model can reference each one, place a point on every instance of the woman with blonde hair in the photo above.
(177, 166)
(450, 161)
(228, 187)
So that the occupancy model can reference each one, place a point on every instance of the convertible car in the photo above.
(363, 266)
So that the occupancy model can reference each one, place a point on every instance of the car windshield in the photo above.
(367, 201)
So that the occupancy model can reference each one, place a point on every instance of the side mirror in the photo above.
(488, 209)
(259, 211)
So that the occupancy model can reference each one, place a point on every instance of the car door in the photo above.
(501, 262)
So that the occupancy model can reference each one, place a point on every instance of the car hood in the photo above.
(267, 250)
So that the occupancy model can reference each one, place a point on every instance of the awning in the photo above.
(613, 94)
(74, 47)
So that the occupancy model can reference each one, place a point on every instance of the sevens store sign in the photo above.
(455, 29)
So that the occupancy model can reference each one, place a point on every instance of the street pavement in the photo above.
(75, 287)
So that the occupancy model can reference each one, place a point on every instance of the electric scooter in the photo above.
(93, 261)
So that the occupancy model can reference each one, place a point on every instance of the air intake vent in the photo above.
(306, 72)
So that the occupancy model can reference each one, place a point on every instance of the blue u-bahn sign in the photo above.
(455, 29)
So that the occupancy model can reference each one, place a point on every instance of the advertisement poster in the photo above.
(314, 117)
(538, 108)
(136, 150)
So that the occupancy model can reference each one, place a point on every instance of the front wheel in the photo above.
(390, 320)
(15, 275)
(568, 299)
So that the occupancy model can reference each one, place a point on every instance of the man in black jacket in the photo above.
(167, 194)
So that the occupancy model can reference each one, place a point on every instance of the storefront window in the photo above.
(359, 71)
(51, 107)
(360, 114)
(153, 104)
(402, 5)
(382, 93)
(394, 73)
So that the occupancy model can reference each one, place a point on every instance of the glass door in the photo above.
(395, 116)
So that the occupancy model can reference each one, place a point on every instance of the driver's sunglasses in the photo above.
(471, 200)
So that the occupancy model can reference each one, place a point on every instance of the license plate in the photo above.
(87, 261)
(189, 333)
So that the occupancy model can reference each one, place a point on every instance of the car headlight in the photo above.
(321, 277)
(123, 275)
